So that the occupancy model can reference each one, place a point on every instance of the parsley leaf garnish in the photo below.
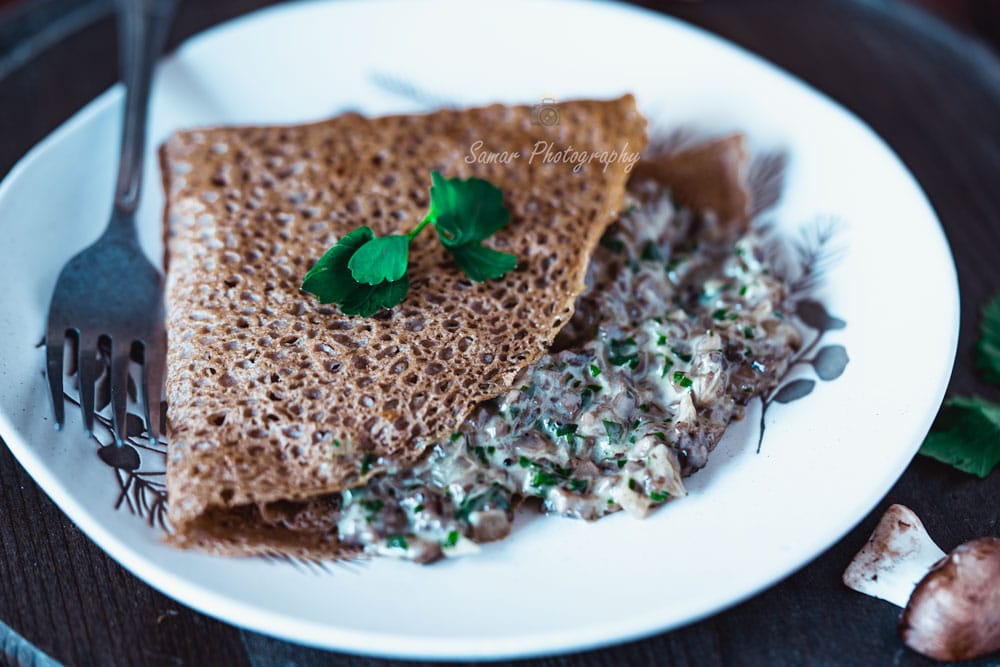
(613, 429)
(682, 379)
(988, 347)
(481, 263)
(397, 542)
(466, 211)
(332, 281)
(966, 435)
(381, 259)
(464, 214)
(372, 298)
(364, 273)
(323, 279)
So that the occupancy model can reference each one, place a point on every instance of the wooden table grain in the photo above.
(931, 92)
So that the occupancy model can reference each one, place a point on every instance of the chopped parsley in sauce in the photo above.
(610, 422)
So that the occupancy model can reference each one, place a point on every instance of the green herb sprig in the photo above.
(364, 273)
(988, 347)
(966, 433)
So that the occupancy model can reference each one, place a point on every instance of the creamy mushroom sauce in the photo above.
(669, 341)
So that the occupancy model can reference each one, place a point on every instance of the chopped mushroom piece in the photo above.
(954, 613)
(895, 558)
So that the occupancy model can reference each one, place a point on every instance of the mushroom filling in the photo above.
(670, 340)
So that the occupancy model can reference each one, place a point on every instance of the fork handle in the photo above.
(142, 30)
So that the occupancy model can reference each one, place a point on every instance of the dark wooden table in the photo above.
(931, 92)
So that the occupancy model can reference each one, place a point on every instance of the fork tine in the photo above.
(55, 341)
(119, 388)
(87, 374)
(152, 385)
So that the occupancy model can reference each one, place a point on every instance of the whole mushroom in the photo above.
(952, 602)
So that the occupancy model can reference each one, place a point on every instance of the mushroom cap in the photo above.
(954, 612)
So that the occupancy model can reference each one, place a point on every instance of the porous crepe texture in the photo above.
(274, 398)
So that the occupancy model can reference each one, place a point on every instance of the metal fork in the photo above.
(111, 290)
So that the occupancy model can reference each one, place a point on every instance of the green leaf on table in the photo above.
(966, 435)
(466, 211)
(988, 347)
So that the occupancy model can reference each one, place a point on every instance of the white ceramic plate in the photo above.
(557, 584)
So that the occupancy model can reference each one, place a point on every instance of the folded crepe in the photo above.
(276, 402)
(710, 177)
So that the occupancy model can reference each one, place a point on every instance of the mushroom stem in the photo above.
(896, 557)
